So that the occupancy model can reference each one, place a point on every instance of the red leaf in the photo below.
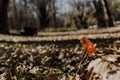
(88, 46)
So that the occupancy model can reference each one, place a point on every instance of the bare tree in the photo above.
(52, 13)
(103, 13)
(3, 16)
(23, 17)
(42, 5)
(110, 17)
(47, 12)
(81, 17)
(115, 8)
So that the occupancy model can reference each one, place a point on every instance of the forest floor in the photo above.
(107, 33)
(58, 56)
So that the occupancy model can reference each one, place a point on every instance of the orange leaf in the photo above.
(88, 46)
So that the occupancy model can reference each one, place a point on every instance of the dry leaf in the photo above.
(88, 46)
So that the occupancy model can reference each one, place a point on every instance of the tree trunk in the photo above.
(110, 20)
(52, 14)
(100, 13)
(3, 16)
(44, 20)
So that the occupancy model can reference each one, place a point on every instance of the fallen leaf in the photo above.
(51, 77)
(88, 46)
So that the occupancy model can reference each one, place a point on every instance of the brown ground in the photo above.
(108, 33)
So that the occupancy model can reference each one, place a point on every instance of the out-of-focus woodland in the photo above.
(30, 16)
(59, 39)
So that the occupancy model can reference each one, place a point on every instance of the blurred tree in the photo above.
(47, 12)
(3, 16)
(110, 16)
(44, 20)
(23, 17)
(31, 20)
(52, 13)
(115, 9)
(16, 16)
(82, 12)
(100, 13)
(103, 13)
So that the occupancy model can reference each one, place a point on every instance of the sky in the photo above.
(64, 5)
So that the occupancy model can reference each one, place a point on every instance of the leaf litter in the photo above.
(57, 62)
